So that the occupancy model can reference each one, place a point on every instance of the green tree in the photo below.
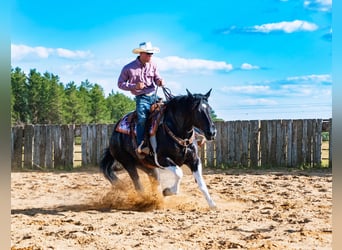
(214, 116)
(118, 105)
(53, 104)
(85, 99)
(73, 108)
(19, 97)
(35, 97)
(98, 111)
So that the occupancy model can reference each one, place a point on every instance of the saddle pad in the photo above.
(124, 125)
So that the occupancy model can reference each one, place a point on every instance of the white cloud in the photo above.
(311, 78)
(288, 27)
(65, 53)
(320, 5)
(259, 101)
(175, 63)
(248, 66)
(249, 89)
(24, 52)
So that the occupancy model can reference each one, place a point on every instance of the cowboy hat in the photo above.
(146, 47)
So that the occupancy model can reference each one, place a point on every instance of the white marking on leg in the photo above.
(202, 186)
(178, 173)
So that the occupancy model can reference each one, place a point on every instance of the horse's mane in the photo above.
(185, 99)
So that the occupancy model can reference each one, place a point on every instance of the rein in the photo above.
(183, 142)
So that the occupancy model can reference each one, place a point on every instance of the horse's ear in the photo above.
(189, 94)
(208, 94)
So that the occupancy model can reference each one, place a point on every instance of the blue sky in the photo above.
(265, 59)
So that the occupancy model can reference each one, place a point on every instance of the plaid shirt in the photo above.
(135, 72)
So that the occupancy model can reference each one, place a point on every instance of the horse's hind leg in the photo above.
(133, 173)
(154, 177)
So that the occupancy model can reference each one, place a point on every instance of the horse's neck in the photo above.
(178, 125)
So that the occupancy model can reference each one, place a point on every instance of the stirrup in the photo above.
(143, 150)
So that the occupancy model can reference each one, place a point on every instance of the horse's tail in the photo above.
(106, 165)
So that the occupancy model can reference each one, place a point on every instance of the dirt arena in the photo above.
(264, 209)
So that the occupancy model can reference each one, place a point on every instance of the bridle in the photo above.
(183, 142)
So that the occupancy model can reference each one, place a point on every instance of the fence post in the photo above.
(28, 143)
(16, 147)
(330, 143)
(254, 143)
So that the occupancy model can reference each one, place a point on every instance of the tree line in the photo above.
(43, 99)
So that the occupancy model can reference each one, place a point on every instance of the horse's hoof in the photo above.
(167, 192)
(213, 207)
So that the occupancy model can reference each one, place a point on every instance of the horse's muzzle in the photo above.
(210, 135)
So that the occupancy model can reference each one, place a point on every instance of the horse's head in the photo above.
(201, 114)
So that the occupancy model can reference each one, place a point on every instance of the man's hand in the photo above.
(139, 85)
(160, 82)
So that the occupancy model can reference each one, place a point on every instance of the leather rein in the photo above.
(183, 142)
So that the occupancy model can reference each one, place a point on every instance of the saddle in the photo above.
(128, 123)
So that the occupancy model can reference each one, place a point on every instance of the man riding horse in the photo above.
(173, 139)
(141, 77)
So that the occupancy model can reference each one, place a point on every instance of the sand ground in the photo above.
(257, 209)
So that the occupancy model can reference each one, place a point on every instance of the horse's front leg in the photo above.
(178, 174)
(201, 184)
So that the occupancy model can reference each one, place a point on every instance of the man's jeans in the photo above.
(143, 104)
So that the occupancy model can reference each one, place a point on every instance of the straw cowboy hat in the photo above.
(146, 47)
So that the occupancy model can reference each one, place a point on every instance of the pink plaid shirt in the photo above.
(135, 72)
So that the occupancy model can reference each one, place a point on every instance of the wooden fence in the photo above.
(290, 143)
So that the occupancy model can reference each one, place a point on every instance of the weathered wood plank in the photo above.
(219, 141)
(42, 146)
(231, 143)
(244, 143)
(49, 148)
(224, 144)
(300, 159)
(210, 159)
(238, 143)
(84, 133)
(264, 148)
(304, 148)
(272, 134)
(57, 146)
(289, 142)
(294, 152)
(330, 143)
(279, 144)
(309, 152)
(254, 143)
(17, 147)
(317, 149)
(68, 140)
(28, 145)
(36, 142)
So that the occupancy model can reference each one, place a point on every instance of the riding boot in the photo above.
(142, 150)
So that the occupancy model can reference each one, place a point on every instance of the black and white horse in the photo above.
(173, 145)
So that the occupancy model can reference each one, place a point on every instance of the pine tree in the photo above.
(118, 105)
(19, 97)
(98, 112)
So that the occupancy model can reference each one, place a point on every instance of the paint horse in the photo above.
(173, 144)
